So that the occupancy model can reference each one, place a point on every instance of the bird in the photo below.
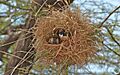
(61, 32)
(54, 39)
(58, 36)
(57, 4)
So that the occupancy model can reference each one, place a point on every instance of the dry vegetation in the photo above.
(76, 49)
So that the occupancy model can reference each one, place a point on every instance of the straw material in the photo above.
(75, 49)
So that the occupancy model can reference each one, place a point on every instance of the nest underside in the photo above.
(76, 49)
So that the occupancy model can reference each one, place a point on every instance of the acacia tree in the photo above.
(16, 49)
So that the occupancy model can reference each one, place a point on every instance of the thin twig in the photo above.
(109, 16)
(6, 53)
(15, 41)
(40, 8)
(113, 38)
(112, 50)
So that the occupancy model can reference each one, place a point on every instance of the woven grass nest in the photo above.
(76, 47)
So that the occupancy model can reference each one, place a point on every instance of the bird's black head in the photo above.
(61, 32)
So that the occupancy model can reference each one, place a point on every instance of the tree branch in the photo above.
(109, 16)
(25, 46)
(112, 50)
(113, 38)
